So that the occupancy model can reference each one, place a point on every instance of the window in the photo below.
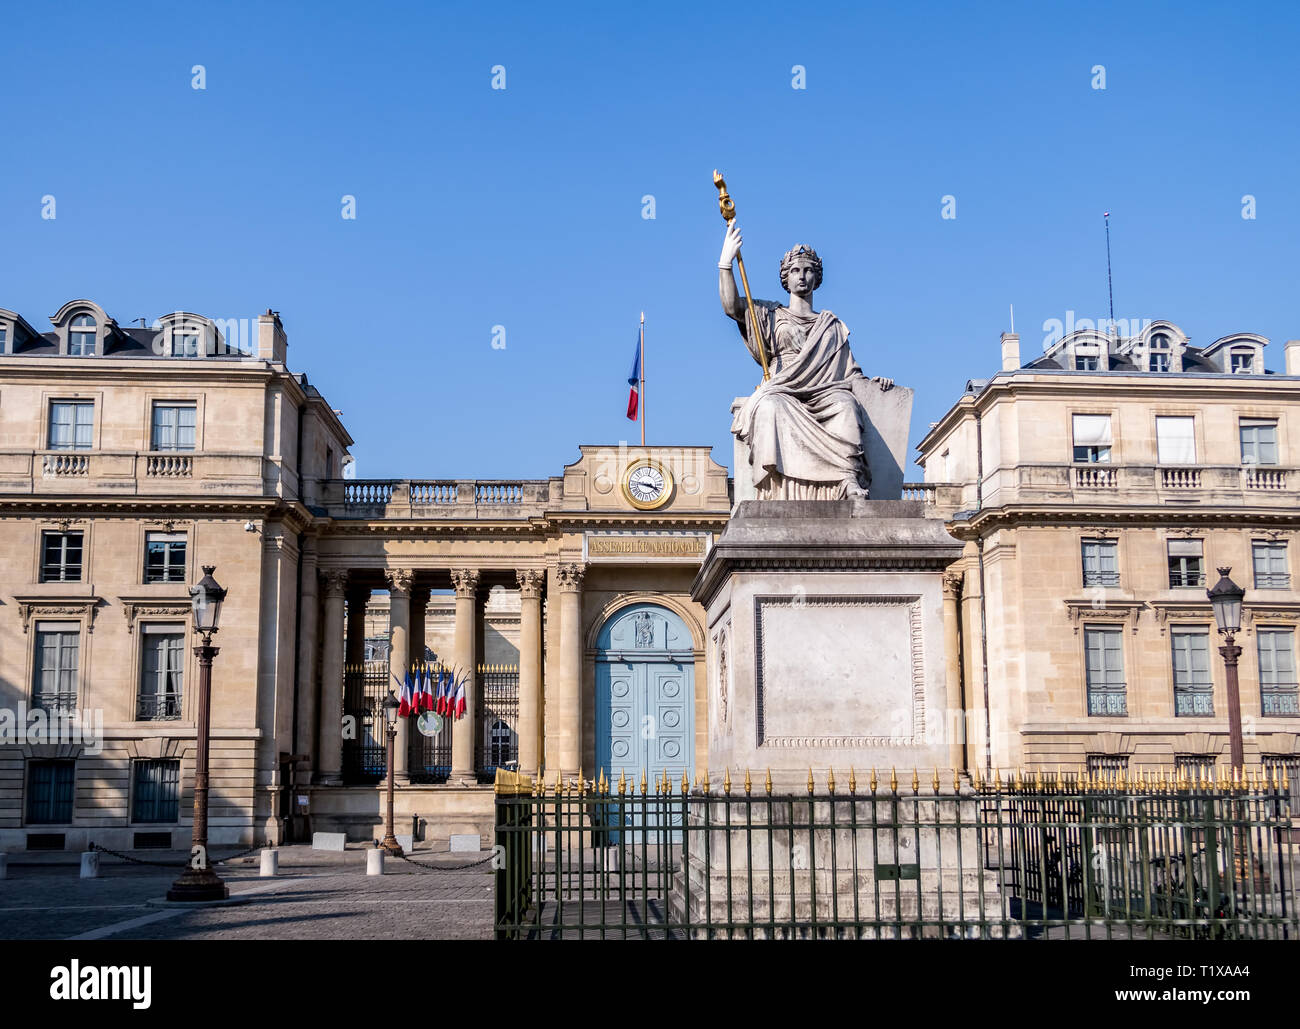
(1286, 768)
(1107, 763)
(49, 792)
(185, 343)
(4, 338)
(1199, 767)
(1270, 565)
(161, 672)
(1176, 440)
(72, 424)
(1193, 687)
(173, 426)
(157, 791)
(1277, 679)
(1085, 362)
(500, 750)
(164, 557)
(1242, 362)
(54, 685)
(81, 336)
(1258, 441)
(1159, 359)
(1105, 671)
(61, 556)
(1186, 563)
(1092, 439)
(1100, 563)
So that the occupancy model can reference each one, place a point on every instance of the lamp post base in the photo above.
(390, 844)
(199, 884)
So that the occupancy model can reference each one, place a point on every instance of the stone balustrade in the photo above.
(1141, 484)
(129, 472)
(435, 498)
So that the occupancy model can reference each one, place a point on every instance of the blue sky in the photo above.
(523, 207)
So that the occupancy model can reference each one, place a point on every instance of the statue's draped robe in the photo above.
(803, 423)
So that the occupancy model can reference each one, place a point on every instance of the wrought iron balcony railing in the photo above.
(158, 707)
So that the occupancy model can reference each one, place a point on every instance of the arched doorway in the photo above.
(645, 695)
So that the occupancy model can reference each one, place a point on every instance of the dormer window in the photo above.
(1086, 360)
(185, 343)
(81, 336)
(1159, 357)
(1242, 361)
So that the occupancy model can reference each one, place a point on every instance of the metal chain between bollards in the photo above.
(444, 868)
(101, 849)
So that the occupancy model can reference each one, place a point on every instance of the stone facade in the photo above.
(117, 444)
(1092, 527)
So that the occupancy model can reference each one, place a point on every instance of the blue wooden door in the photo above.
(645, 698)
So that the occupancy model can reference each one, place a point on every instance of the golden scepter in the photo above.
(728, 208)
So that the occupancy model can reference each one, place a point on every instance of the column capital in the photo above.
(465, 580)
(531, 581)
(952, 584)
(571, 575)
(400, 580)
(335, 581)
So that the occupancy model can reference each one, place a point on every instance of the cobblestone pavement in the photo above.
(315, 896)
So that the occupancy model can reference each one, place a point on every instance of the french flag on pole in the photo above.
(634, 380)
(404, 701)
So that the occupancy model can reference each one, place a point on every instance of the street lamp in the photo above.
(1226, 601)
(199, 882)
(389, 842)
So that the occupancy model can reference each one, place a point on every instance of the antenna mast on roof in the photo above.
(1110, 288)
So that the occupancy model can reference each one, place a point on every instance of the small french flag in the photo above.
(404, 701)
(634, 380)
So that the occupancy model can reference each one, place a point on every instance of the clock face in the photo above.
(647, 485)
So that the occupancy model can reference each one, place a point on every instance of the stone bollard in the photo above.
(4, 865)
(90, 864)
(375, 861)
(270, 863)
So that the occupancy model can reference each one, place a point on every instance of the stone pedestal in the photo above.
(826, 641)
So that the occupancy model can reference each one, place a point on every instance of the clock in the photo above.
(647, 484)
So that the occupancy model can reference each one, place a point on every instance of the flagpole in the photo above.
(642, 362)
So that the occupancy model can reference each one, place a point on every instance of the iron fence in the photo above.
(1073, 856)
(498, 742)
(365, 685)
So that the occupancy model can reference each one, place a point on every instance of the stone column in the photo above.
(307, 732)
(569, 688)
(955, 723)
(464, 650)
(400, 581)
(531, 581)
(330, 748)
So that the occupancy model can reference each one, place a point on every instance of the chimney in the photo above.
(1292, 352)
(1010, 351)
(272, 344)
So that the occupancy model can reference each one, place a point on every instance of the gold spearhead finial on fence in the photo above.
(1020, 779)
(934, 783)
(996, 779)
(872, 781)
(767, 785)
(916, 780)
(705, 782)
(830, 782)
(622, 783)
(853, 781)
(1038, 780)
(979, 780)
(559, 783)
(1236, 777)
(810, 781)
(893, 779)
(956, 780)
(643, 782)
(749, 785)
(726, 781)
(686, 784)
